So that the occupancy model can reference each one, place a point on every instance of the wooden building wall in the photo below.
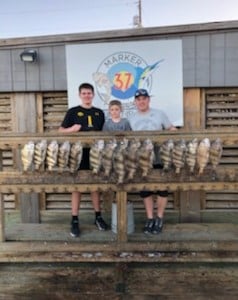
(210, 80)
(203, 108)
(210, 56)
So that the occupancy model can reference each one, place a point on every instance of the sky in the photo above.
(24, 18)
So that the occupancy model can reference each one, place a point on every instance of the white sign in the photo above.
(118, 69)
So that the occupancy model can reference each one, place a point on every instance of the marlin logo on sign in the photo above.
(121, 74)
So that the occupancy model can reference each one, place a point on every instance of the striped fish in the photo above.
(75, 156)
(179, 152)
(203, 154)
(146, 157)
(107, 157)
(165, 154)
(40, 153)
(52, 154)
(119, 161)
(131, 158)
(63, 155)
(95, 156)
(191, 154)
(27, 154)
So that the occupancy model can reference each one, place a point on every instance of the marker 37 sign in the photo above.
(121, 74)
(118, 69)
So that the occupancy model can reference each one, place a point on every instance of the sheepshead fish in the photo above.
(63, 155)
(179, 152)
(146, 157)
(75, 156)
(95, 156)
(107, 157)
(131, 158)
(191, 154)
(27, 154)
(203, 154)
(119, 161)
(215, 153)
(52, 154)
(40, 153)
(166, 154)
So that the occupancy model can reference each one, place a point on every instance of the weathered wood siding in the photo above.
(203, 108)
(210, 60)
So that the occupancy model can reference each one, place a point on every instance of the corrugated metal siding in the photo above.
(209, 60)
(47, 74)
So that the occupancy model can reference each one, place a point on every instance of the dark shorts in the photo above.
(145, 194)
(85, 165)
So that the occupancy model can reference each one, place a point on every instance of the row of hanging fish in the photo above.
(125, 158)
(53, 155)
(121, 159)
(194, 154)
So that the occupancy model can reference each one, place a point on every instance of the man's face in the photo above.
(86, 95)
(142, 103)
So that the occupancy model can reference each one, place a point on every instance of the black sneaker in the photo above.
(149, 225)
(74, 228)
(101, 224)
(158, 225)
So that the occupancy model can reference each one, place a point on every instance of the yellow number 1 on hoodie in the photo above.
(90, 122)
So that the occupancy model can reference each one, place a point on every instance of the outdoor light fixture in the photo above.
(28, 55)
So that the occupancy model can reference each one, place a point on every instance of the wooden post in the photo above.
(29, 203)
(190, 208)
(2, 223)
(25, 113)
(1, 164)
(121, 197)
(192, 108)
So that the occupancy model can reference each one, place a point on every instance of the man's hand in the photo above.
(76, 127)
(172, 128)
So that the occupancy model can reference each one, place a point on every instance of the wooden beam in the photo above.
(192, 109)
(121, 197)
(186, 251)
(29, 204)
(13, 140)
(123, 34)
(2, 223)
(25, 107)
(86, 188)
(190, 209)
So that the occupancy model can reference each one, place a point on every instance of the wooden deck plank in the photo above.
(75, 280)
(50, 241)
(2, 223)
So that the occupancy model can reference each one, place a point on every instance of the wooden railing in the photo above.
(52, 181)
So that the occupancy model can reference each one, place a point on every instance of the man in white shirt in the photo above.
(146, 118)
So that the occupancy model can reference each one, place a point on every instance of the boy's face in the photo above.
(115, 111)
(86, 96)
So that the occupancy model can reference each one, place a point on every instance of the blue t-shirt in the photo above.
(122, 125)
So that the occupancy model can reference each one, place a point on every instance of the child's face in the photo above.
(115, 111)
